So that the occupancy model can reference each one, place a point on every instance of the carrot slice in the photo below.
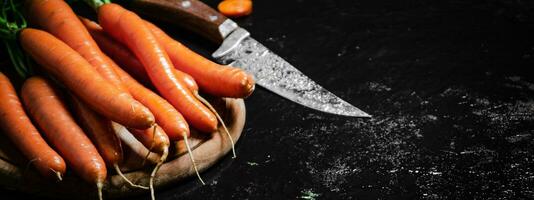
(235, 8)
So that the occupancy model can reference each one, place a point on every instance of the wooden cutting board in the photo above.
(17, 174)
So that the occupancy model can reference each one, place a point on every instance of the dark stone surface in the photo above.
(448, 83)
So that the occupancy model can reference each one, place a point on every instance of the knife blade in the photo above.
(240, 50)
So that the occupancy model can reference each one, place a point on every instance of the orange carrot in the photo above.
(101, 133)
(194, 90)
(155, 139)
(166, 115)
(57, 18)
(130, 29)
(235, 8)
(214, 79)
(125, 58)
(18, 127)
(188, 80)
(52, 116)
(117, 51)
(83, 80)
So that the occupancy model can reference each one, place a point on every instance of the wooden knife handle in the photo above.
(190, 14)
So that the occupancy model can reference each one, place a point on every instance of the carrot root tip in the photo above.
(58, 176)
(252, 88)
(119, 172)
(249, 85)
(56, 173)
(156, 168)
(186, 141)
(99, 187)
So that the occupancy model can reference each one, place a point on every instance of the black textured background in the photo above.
(448, 83)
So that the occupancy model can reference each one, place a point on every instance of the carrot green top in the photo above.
(95, 4)
(11, 22)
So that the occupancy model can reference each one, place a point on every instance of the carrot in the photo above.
(155, 139)
(126, 59)
(52, 116)
(83, 80)
(117, 51)
(133, 143)
(18, 127)
(194, 90)
(188, 80)
(57, 18)
(235, 8)
(214, 79)
(166, 115)
(101, 133)
(130, 29)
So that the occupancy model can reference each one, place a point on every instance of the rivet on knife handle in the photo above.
(190, 14)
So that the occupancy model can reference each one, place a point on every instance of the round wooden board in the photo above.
(16, 174)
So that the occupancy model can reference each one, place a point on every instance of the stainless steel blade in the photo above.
(278, 76)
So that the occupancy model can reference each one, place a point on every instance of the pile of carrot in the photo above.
(93, 76)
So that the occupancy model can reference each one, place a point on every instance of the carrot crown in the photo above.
(95, 4)
(11, 23)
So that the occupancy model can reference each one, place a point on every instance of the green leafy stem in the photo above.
(95, 4)
(11, 23)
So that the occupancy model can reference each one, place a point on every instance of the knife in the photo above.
(238, 49)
